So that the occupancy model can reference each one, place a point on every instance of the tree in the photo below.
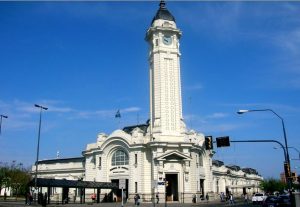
(14, 176)
(4, 179)
(271, 185)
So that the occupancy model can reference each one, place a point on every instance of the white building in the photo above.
(162, 149)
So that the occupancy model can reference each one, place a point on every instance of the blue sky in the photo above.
(87, 60)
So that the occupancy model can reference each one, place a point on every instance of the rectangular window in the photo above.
(200, 161)
(136, 187)
(135, 159)
(100, 162)
(94, 160)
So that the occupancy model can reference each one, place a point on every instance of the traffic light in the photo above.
(167, 183)
(209, 143)
(223, 141)
(287, 170)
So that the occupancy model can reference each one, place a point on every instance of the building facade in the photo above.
(161, 156)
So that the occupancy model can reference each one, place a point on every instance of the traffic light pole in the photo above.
(286, 161)
(265, 140)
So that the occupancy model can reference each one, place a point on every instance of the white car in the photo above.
(258, 198)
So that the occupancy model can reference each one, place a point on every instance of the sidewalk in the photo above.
(22, 203)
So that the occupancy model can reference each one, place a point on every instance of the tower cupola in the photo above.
(163, 13)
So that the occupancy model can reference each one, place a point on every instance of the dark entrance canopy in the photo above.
(45, 182)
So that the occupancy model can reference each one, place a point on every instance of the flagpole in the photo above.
(118, 116)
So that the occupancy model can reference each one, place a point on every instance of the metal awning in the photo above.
(45, 182)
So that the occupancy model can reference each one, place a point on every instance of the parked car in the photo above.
(258, 198)
(270, 201)
(277, 201)
(284, 201)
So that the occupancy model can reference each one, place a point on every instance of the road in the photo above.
(204, 204)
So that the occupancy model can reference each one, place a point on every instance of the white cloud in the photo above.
(109, 113)
(60, 109)
(220, 128)
(130, 109)
(217, 115)
(196, 86)
(211, 123)
(22, 115)
(275, 106)
(289, 41)
(219, 19)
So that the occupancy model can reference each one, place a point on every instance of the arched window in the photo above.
(119, 158)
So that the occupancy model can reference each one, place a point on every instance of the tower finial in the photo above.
(162, 4)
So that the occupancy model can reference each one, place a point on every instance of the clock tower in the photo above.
(166, 121)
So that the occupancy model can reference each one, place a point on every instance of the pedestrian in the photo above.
(157, 198)
(93, 197)
(207, 197)
(44, 200)
(30, 199)
(222, 197)
(246, 198)
(26, 198)
(231, 200)
(40, 197)
(137, 200)
(194, 198)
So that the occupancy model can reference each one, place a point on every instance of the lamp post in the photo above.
(287, 158)
(2, 116)
(38, 144)
(294, 149)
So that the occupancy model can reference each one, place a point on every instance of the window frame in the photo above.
(119, 158)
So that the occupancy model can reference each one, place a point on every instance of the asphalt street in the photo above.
(205, 204)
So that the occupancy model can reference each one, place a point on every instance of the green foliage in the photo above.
(15, 177)
(296, 186)
(271, 185)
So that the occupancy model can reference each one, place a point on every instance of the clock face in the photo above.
(167, 40)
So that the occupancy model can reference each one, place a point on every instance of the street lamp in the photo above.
(294, 149)
(2, 116)
(287, 158)
(38, 144)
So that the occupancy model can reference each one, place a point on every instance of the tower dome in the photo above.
(163, 13)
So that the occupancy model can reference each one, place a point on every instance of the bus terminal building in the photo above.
(160, 151)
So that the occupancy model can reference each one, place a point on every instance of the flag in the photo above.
(118, 114)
